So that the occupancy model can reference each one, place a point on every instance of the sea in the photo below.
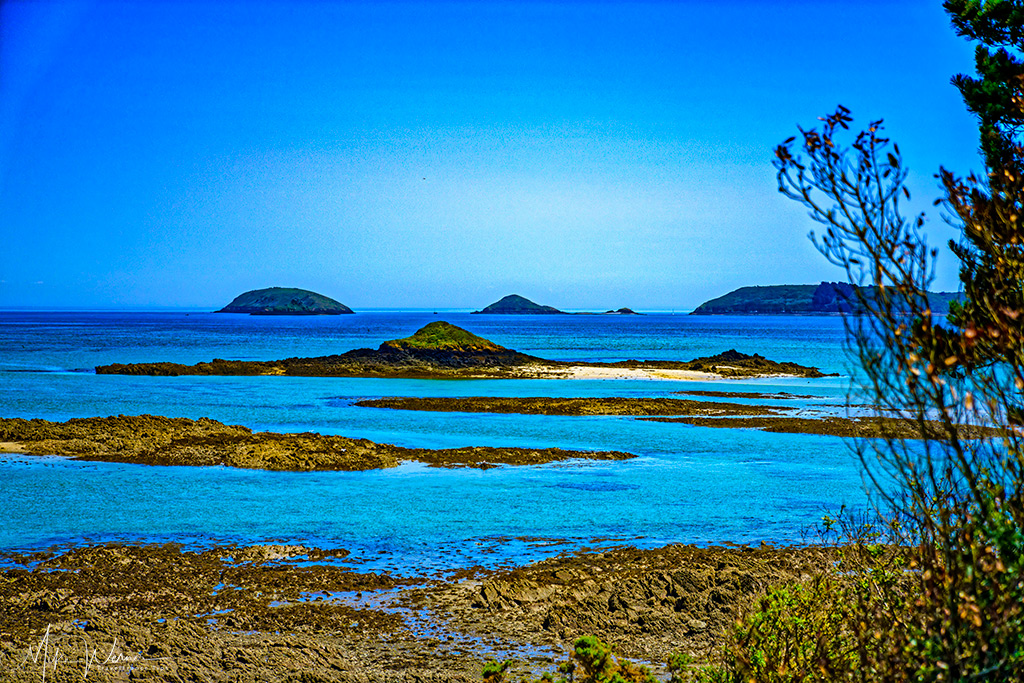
(688, 484)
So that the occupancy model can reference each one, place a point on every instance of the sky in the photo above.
(587, 155)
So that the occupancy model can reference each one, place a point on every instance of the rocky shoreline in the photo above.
(154, 440)
(292, 613)
(443, 351)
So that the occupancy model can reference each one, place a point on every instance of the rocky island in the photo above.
(443, 350)
(822, 299)
(285, 301)
(513, 304)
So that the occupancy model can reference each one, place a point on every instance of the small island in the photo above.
(441, 350)
(513, 304)
(827, 298)
(285, 301)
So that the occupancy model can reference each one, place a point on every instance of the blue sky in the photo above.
(419, 154)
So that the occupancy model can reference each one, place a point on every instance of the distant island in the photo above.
(285, 301)
(822, 299)
(513, 304)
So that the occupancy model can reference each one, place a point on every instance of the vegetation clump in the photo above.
(443, 336)
(591, 661)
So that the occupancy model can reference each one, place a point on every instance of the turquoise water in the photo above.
(688, 484)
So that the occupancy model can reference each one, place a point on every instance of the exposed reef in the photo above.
(872, 427)
(153, 440)
(776, 395)
(570, 406)
(718, 414)
(285, 301)
(443, 350)
(295, 613)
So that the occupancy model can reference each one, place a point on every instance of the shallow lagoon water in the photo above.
(689, 484)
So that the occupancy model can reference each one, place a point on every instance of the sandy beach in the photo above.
(590, 372)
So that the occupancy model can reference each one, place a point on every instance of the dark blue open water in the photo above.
(689, 484)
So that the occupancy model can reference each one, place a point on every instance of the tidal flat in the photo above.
(293, 546)
(290, 612)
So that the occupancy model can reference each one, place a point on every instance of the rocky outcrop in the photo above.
(729, 363)
(438, 350)
(285, 301)
(513, 304)
(154, 440)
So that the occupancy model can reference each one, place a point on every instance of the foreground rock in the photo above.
(292, 613)
(285, 301)
(152, 440)
(443, 350)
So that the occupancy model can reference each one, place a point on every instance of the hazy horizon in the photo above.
(410, 155)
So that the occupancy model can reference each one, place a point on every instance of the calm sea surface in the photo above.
(690, 484)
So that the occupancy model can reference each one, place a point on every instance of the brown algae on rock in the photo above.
(154, 440)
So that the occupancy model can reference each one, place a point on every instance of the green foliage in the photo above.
(494, 671)
(682, 670)
(835, 626)
(592, 661)
(441, 335)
